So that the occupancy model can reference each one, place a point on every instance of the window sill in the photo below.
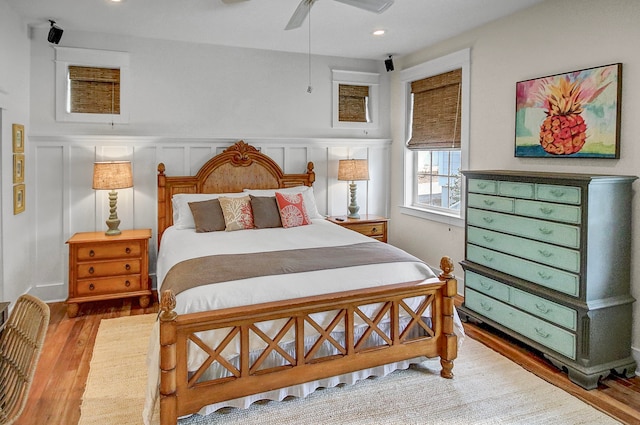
(440, 217)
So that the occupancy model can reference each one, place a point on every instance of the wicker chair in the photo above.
(20, 346)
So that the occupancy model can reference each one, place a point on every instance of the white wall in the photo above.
(17, 240)
(189, 101)
(553, 37)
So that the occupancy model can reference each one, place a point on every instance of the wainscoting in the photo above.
(61, 202)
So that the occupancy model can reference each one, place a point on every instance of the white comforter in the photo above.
(180, 245)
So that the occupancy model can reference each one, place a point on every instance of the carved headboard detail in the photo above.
(240, 166)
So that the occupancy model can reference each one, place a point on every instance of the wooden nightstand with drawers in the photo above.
(369, 225)
(108, 267)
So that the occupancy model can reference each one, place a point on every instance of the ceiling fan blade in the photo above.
(300, 14)
(377, 6)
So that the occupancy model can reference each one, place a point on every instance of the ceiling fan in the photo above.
(302, 11)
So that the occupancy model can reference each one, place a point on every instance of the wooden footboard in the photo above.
(183, 393)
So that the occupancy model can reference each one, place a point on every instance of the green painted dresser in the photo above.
(547, 261)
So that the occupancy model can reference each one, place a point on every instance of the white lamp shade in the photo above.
(112, 175)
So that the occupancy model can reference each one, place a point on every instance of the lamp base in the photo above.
(353, 206)
(113, 221)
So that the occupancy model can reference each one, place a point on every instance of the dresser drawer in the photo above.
(108, 285)
(545, 231)
(108, 268)
(489, 202)
(110, 250)
(487, 286)
(482, 186)
(556, 193)
(548, 211)
(551, 255)
(369, 229)
(538, 330)
(545, 309)
(516, 190)
(542, 275)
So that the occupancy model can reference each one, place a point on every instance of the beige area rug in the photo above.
(487, 389)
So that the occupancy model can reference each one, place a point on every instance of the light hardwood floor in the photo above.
(62, 371)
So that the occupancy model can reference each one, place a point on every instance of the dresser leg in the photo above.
(144, 301)
(72, 310)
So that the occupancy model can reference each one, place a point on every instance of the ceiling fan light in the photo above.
(376, 6)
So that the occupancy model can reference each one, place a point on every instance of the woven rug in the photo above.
(487, 389)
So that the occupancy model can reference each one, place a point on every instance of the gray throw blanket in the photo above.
(228, 267)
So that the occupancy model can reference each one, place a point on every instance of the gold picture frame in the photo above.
(18, 138)
(18, 168)
(19, 198)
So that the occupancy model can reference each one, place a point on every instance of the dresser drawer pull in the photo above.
(487, 220)
(127, 283)
(487, 257)
(546, 210)
(485, 306)
(92, 253)
(488, 202)
(545, 231)
(544, 275)
(482, 185)
(545, 253)
(92, 286)
(128, 250)
(127, 267)
(486, 285)
(487, 238)
(558, 193)
(374, 230)
(91, 270)
(541, 333)
(542, 308)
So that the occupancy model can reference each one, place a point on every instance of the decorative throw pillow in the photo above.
(207, 216)
(237, 213)
(292, 211)
(265, 212)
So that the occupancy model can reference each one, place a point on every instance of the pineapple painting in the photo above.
(575, 114)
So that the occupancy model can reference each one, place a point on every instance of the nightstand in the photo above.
(369, 225)
(105, 267)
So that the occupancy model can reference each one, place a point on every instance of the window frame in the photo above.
(356, 78)
(66, 56)
(460, 59)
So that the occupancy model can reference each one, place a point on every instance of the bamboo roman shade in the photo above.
(436, 112)
(352, 103)
(94, 90)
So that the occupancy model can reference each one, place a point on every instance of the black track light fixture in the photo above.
(55, 33)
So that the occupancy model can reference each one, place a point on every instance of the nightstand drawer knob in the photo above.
(92, 253)
(128, 250)
(127, 267)
(374, 230)
(92, 287)
(91, 270)
(127, 283)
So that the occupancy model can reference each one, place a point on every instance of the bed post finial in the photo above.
(446, 265)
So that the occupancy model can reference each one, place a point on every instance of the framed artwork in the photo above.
(18, 168)
(571, 115)
(18, 198)
(18, 138)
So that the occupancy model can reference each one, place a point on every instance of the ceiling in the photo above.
(337, 29)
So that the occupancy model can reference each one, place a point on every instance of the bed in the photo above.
(269, 311)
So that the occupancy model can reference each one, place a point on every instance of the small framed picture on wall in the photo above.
(18, 198)
(18, 138)
(18, 168)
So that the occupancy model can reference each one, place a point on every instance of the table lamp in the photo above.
(111, 176)
(353, 170)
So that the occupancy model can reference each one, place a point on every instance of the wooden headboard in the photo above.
(239, 167)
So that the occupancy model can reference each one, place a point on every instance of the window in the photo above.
(92, 85)
(355, 99)
(436, 101)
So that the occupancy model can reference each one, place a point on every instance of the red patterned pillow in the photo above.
(292, 210)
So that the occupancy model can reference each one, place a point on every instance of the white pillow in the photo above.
(308, 197)
(182, 215)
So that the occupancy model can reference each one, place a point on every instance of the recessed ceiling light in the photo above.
(379, 32)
